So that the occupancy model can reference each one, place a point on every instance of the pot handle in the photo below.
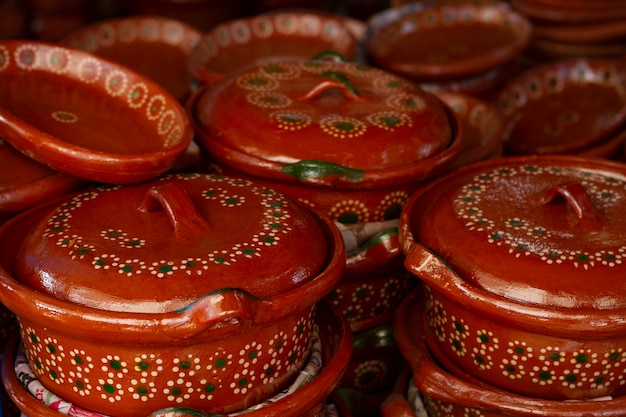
(218, 312)
(578, 199)
(332, 80)
(182, 213)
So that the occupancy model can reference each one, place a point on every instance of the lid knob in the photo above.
(578, 199)
(180, 210)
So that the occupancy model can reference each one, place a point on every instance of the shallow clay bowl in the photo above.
(566, 106)
(446, 42)
(309, 400)
(444, 392)
(156, 47)
(167, 336)
(240, 44)
(522, 298)
(84, 116)
(25, 182)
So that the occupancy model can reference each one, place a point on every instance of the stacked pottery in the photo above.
(352, 142)
(458, 47)
(568, 106)
(523, 310)
(117, 315)
(574, 28)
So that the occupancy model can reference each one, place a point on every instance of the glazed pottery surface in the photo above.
(156, 47)
(446, 394)
(450, 41)
(308, 400)
(371, 129)
(529, 295)
(226, 350)
(483, 127)
(245, 43)
(88, 117)
(25, 182)
(567, 106)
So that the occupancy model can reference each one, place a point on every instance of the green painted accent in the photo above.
(126, 268)
(242, 382)
(220, 260)
(141, 390)
(599, 380)
(571, 378)
(328, 55)
(269, 239)
(82, 251)
(311, 169)
(33, 338)
(349, 218)
(143, 366)
(520, 350)
(555, 356)
(51, 348)
(360, 293)
(253, 354)
(78, 359)
(177, 391)
(511, 369)
(379, 238)
(248, 251)
(108, 388)
(484, 338)
(479, 359)
(186, 364)
(117, 365)
(220, 363)
(614, 355)
(209, 388)
(57, 229)
(80, 384)
(392, 212)
(456, 345)
(342, 78)
(165, 268)
(582, 358)
(459, 327)
(53, 374)
(545, 375)
(269, 371)
(100, 262)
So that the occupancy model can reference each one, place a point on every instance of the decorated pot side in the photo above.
(157, 47)
(240, 44)
(569, 106)
(532, 299)
(235, 345)
(447, 394)
(309, 400)
(76, 113)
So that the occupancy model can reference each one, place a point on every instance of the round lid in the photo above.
(323, 121)
(161, 245)
(540, 230)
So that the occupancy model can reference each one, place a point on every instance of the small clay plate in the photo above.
(445, 42)
(86, 116)
(156, 47)
(563, 107)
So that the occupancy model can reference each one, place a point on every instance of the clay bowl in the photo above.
(522, 299)
(448, 42)
(444, 392)
(567, 106)
(25, 182)
(174, 338)
(156, 47)
(307, 400)
(240, 44)
(483, 125)
(87, 117)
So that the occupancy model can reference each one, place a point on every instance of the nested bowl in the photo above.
(444, 393)
(190, 291)
(88, 117)
(528, 296)
(240, 44)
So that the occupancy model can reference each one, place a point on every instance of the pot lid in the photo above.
(161, 245)
(324, 122)
(540, 230)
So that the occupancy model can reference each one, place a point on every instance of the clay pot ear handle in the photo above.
(182, 213)
(578, 199)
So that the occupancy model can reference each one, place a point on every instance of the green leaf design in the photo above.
(310, 169)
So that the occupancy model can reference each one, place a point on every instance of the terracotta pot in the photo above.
(450, 41)
(526, 297)
(568, 106)
(445, 393)
(390, 134)
(73, 112)
(156, 47)
(309, 400)
(245, 43)
(120, 333)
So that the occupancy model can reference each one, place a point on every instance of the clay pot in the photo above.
(376, 135)
(450, 41)
(245, 43)
(75, 113)
(443, 393)
(569, 106)
(308, 400)
(118, 314)
(156, 47)
(528, 295)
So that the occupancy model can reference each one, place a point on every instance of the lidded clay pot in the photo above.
(523, 263)
(191, 289)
